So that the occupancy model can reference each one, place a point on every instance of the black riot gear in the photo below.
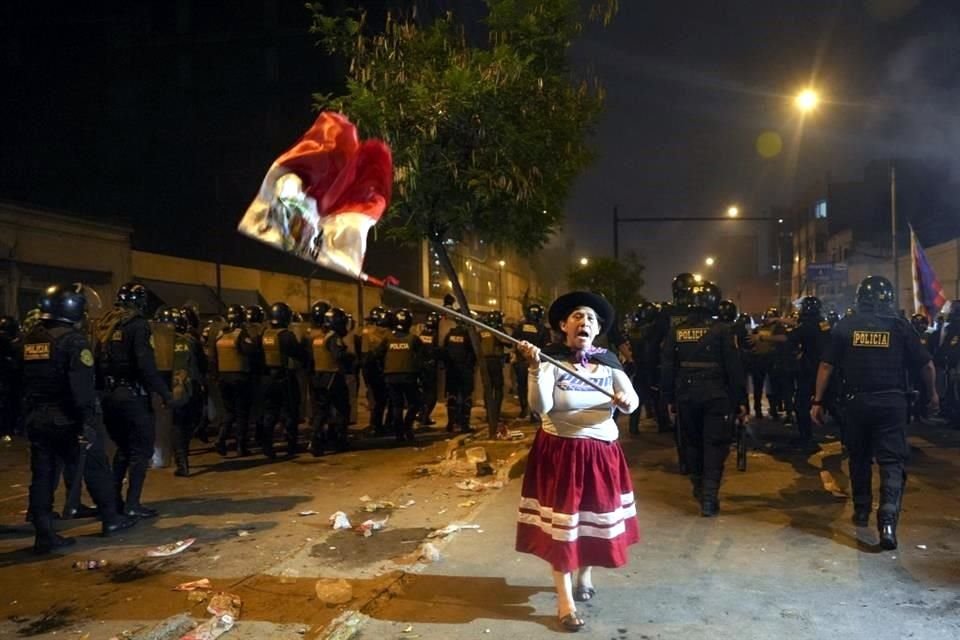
(376, 315)
(173, 316)
(875, 294)
(338, 321)
(9, 327)
(920, 323)
(388, 320)
(63, 303)
(534, 313)
(280, 315)
(190, 315)
(833, 318)
(403, 320)
(318, 313)
(495, 320)
(432, 320)
(727, 311)
(133, 295)
(254, 314)
(682, 283)
(236, 316)
(705, 297)
(811, 308)
(772, 312)
(646, 312)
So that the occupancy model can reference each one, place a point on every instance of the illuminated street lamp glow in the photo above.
(733, 212)
(697, 277)
(502, 263)
(710, 261)
(584, 261)
(807, 100)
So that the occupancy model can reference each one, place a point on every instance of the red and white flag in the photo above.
(321, 197)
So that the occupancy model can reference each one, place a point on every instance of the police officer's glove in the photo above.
(87, 436)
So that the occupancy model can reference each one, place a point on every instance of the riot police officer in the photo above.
(256, 323)
(429, 362)
(189, 365)
(460, 361)
(763, 360)
(372, 336)
(642, 337)
(810, 338)
(873, 348)
(531, 330)
(670, 316)
(400, 354)
(10, 376)
(235, 349)
(128, 374)
(703, 384)
(330, 361)
(59, 387)
(282, 353)
(492, 353)
(945, 349)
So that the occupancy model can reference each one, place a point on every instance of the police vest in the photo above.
(44, 367)
(229, 357)
(185, 368)
(765, 346)
(371, 336)
(273, 355)
(531, 333)
(113, 351)
(255, 329)
(490, 345)
(163, 345)
(873, 357)
(323, 359)
(401, 357)
(458, 347)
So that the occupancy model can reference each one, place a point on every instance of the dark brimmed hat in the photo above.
(563, 306)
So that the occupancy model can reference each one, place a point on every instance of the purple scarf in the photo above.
(583, 357)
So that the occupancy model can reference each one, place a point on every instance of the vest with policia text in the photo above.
(532, 333)
(45, 367)
(163, 345)
(874, 352)
(698, 358)
(324, 360)
(371, 337)
(430, 347)
(186, 369)
(229, 357)
(490, 345)
(401, 355)
(273, 353)
(458, 349)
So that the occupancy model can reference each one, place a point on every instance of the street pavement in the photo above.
(782, 559)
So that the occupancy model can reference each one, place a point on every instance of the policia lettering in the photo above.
(880, 339)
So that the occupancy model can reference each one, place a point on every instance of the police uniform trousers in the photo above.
(428, 389)
(405, 402)
(876, 429)
(281, 404)
(520, 375)
(806, 383)
(707, 434)
(53, 446)
(235, 391)
(460, 382)
(493, 392)
(376, 393)
(330, 406)
(185, 419)
(129, 418)
(760, 373)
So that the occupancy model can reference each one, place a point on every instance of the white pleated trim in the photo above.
(567, 527)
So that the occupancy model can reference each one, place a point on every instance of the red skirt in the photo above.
(576, 506)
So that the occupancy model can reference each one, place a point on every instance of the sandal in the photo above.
(572, 622)
(584, 594)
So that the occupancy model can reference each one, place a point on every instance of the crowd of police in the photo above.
(71, 384)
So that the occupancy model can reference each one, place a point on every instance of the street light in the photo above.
(733, 211)
(584, 262)
(697, 278)
(807, 100)
(501, 264)
(709, 261)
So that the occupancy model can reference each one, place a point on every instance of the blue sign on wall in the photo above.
(826, 272)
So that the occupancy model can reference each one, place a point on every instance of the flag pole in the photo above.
(388, 285)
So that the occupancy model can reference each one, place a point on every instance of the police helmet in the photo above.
(133, 295)
(9, 326)
(811, 308)
(402, 319)
(254, 313)
(62, 303)
(30, 320)
(388, 319)
(745, 319)
(337, 320)
(682, 283)
(192, 318)
(432, 320)
(172, 315)
(705, 297)
(534, 313)
(318, 313)
(833, 318)
(920, 322)
(875, 294)
(376, 315)
(236, 315)
(646, 312)
(771, 313)
(449, 300)
(727, 311)
(495, 320)
(280, 315)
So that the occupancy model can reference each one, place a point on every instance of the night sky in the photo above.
(691, 84)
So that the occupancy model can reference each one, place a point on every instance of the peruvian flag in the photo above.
(321, 197)
(928, 297)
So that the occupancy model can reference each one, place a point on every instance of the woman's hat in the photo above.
(563, 306)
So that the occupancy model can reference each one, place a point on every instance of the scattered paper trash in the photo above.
(198, 596)
(922, 547)
(408, 628)
(172, 627)
(428, 553)
(370, 507)
(339, 520)
(467, 504)
(203, 583)
(309, 512)
(369, 526)
(407, 504)
(451, 529)
(476, 454)
(365, 498)
(333, 591)
(243, 533)
(171, 549)
(474, 485)
(269, 473)
(224, 603)
(826, 478)
(89, 565)
(212, 628)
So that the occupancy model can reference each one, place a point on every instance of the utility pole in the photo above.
(893, 236)
(616, 233)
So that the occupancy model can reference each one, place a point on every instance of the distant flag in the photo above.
(928, 296)
(321, 197)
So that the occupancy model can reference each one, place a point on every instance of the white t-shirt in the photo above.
(570, 408)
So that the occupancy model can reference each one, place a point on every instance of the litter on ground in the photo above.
(171, 549)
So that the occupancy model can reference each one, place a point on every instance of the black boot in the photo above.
(82, 511)
(710, 506)
(316, 447)
(115, 524)
(183, 469)
(697, 483)
(861, 516)
(46, 539)
(221, 448)
(888, 535)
